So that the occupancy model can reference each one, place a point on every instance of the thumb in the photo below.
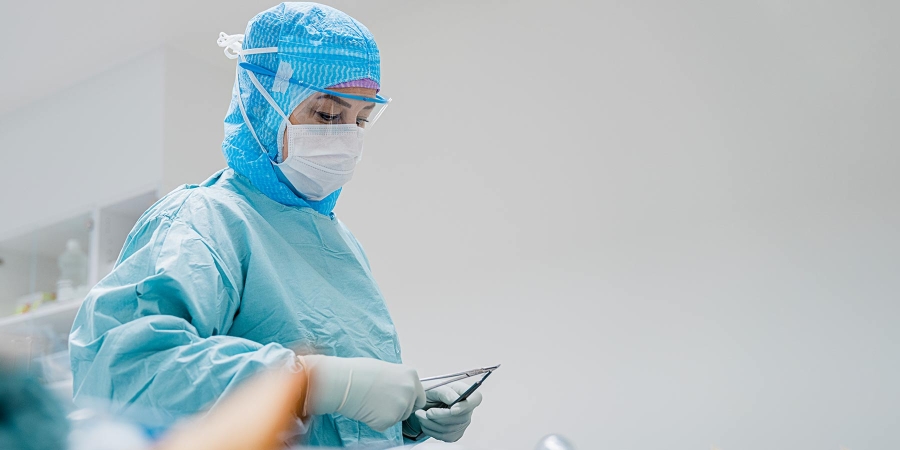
(421, 398)
(443, 394)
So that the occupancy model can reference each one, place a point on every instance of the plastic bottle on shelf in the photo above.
(73, 270)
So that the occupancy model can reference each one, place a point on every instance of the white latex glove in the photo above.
(377, 393)
(445, 424)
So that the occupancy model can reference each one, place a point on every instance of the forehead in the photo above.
(356, 90)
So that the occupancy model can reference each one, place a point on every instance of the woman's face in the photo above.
(324, 109)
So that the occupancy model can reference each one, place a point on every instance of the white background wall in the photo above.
(675, 224)
(96, 141)
(197, 95)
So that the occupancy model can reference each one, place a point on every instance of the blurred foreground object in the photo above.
(554, 442)
(260, 415)
(30, 417)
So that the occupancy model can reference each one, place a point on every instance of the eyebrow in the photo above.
(335, 99)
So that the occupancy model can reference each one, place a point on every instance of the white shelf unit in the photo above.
(58, 315)
(28, 265)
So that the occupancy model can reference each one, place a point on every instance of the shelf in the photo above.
(50, 240)
(29, 265)
(57, 315)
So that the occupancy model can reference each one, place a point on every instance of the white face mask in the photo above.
(321, 158)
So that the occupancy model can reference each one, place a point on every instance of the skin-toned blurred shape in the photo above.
(259, 415)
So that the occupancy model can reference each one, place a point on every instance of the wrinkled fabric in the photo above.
(318, 45)
(216, 282)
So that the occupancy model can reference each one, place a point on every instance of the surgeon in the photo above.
(251, 269)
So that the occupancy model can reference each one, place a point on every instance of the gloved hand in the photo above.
(444, 424)
(377, 393)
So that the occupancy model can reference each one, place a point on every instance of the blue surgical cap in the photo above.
(316, 44)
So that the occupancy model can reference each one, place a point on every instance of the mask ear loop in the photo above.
(265, 93)
(244, 112)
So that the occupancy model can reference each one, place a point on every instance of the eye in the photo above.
(328, 117)
(361, 122)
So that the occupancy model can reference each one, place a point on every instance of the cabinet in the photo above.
(36, 316)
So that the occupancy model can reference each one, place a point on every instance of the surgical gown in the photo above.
(215, 282)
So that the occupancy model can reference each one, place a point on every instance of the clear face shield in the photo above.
(329, 107)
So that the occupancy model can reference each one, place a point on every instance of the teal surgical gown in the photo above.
(215, 282)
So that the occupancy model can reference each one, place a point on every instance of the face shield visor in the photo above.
(330, 107)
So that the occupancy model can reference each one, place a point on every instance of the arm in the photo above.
(151, 336)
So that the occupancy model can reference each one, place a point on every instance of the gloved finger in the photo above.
(467, 406)
(446, 437)
(433, 427)
(434, 404)
(421, 398)
(453, 437)
(444, 433)
(460, 387)
(411, 426)
(410, 407)
(443, 416)
(418, 401)
(420, 418)
(444, 394)
(475, 399)
(439, 426)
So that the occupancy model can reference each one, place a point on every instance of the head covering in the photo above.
(367, 83)
(316, 44)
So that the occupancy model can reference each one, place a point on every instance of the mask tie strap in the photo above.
(232, 46)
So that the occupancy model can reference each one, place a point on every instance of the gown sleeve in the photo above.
(152, 338)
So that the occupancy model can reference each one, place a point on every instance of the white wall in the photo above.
(676, 224)
(97, 141)
(197, 95)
